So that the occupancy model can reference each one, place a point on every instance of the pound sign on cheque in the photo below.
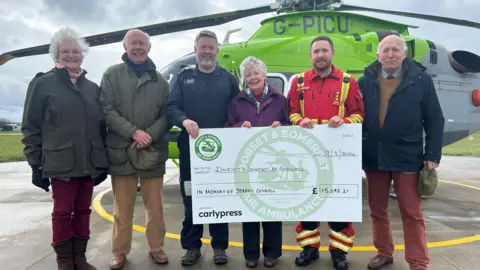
(314, 190)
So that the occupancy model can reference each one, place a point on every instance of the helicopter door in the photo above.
(278, 81)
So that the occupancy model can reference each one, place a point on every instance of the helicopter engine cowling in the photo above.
(464, 61)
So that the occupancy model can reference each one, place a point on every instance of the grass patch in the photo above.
(466, 147)
(11, 147)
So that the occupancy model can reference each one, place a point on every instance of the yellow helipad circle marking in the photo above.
(97, 206)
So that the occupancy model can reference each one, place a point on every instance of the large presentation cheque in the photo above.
(277, 174)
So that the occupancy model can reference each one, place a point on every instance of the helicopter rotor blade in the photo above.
(152, 30)
(413, 15)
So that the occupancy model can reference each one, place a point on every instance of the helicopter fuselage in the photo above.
(283, 44)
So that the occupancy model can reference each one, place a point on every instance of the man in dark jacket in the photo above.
(400, 103)
(199, 99)
(134, 98)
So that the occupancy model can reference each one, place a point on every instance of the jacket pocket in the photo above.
(58, 158)
(117, 152)
(145, 159)
(98, 155)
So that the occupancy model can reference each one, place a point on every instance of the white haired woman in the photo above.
(259, 105)
(63, 138)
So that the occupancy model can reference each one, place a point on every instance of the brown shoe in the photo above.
(378, 262)
(117, 261)
(269, 262)
(159, 257)
(251, 263)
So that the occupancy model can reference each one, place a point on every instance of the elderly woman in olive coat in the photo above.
(259, 105)
(63, 137)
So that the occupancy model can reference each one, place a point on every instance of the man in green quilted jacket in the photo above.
(133, 99)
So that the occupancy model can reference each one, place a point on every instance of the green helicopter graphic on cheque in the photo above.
(284, 176)
(208, 147)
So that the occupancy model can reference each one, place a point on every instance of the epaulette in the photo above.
(187, 68)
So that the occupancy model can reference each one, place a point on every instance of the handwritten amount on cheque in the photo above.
(340, 191)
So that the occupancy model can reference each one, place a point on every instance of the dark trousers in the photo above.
(192, 233)
(71, 208)
(272, 240)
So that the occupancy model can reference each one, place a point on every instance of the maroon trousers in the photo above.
(410, 204)
(71, 208)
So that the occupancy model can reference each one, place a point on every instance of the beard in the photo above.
(207, 61)
(322, 64)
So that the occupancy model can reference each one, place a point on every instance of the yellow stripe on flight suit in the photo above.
(357, 117)
(302, 97)
(343, 95)
(295, 116)
(354, 118)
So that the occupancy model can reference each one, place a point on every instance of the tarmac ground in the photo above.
(452, 219)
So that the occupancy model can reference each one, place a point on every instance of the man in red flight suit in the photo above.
(324, 95)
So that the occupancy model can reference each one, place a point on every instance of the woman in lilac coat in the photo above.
(258, 105)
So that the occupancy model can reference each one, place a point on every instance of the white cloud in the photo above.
(33, 23)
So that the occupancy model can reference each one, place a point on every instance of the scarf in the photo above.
(73, 76)
(139, 69)
(252, 96)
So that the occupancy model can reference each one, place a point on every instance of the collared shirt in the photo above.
(393, 75)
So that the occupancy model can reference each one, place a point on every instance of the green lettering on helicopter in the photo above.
(312, 24)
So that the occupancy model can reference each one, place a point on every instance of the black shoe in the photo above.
(339, 260)
(307, 256)
(190, 258)
(219, 256)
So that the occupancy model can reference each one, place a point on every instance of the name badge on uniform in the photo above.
(190, 80)
(303, 88)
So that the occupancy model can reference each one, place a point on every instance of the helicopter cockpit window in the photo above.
(276, 82)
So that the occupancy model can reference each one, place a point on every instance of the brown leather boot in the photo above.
(379, 262)
(64, 255)
(79, 258)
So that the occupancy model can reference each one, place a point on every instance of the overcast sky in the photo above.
(25, 23)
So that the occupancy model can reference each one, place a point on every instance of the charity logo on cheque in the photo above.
(288, 164)
(208, 147)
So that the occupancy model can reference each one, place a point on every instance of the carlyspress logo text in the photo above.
(220, 214)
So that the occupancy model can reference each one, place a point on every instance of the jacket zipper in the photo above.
(87, 139)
